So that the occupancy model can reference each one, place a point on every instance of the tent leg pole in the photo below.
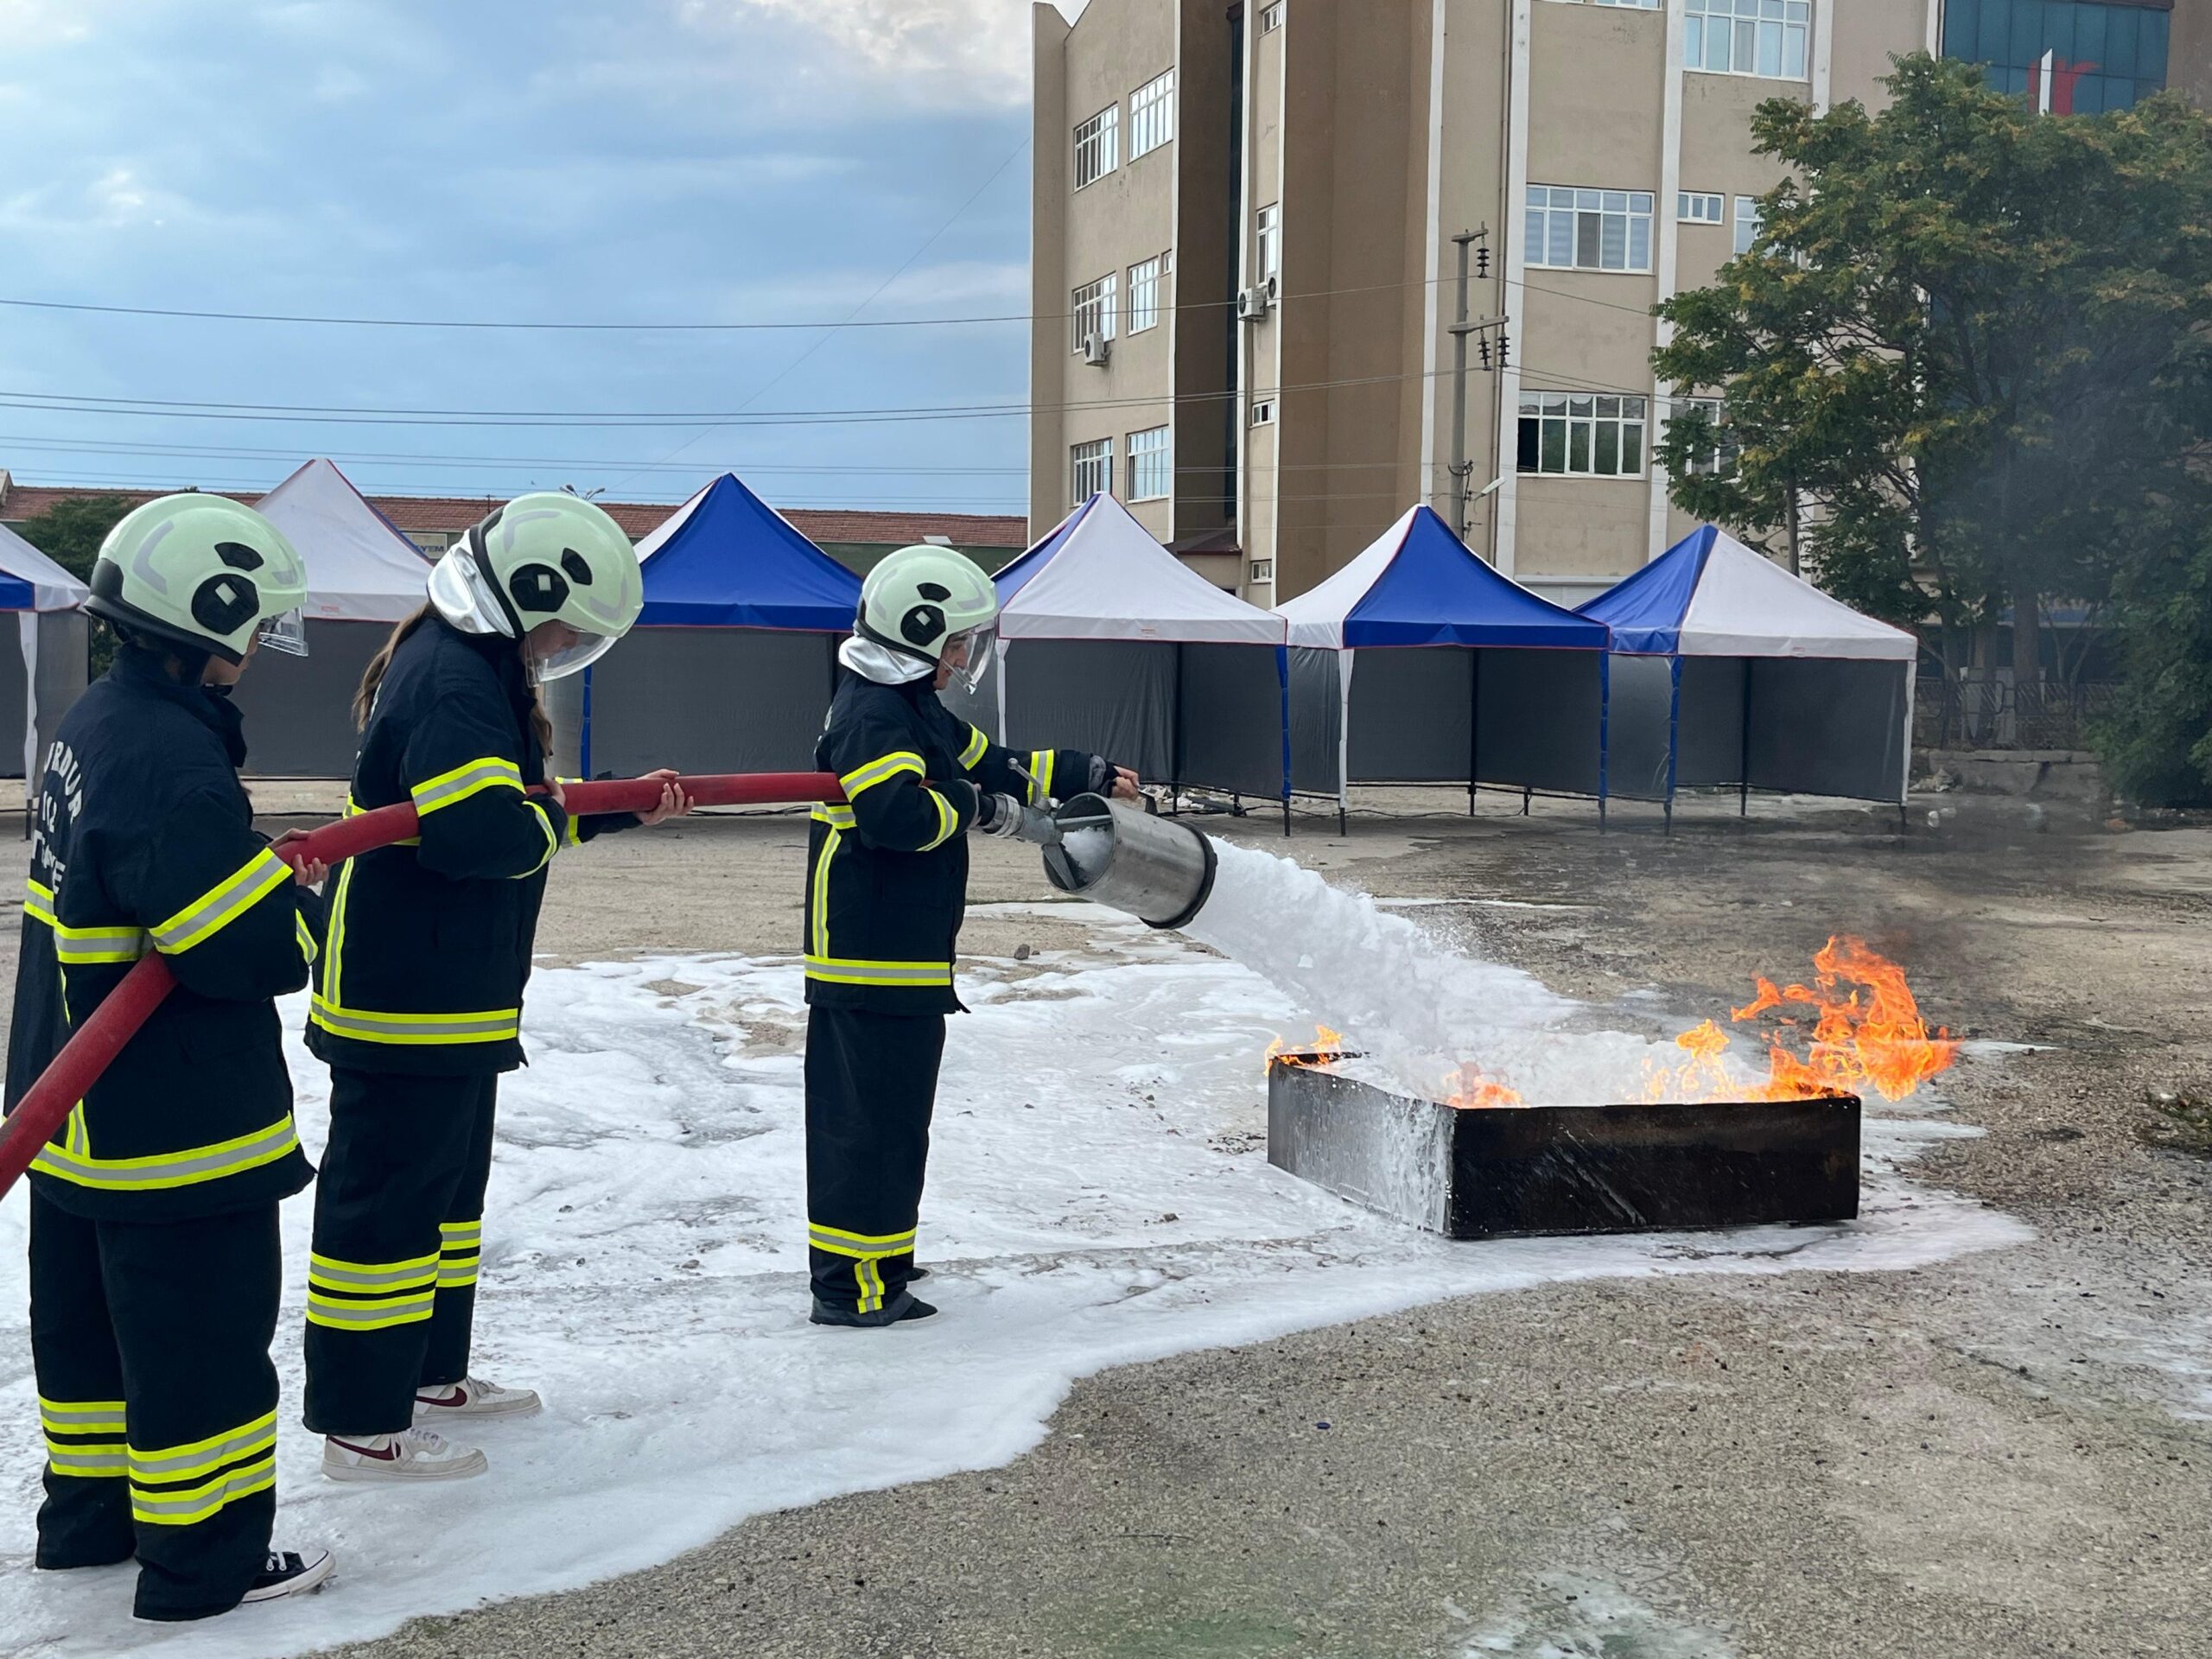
(1904, 820)
(1526, 795)
(1670, 815)
(1286, 817)
(1601, 814)
(1743, 800)
(1342, 828)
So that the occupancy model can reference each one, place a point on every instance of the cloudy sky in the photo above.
(589, 160)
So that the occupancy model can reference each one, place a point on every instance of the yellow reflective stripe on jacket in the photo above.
(846, 970)
(881, 770)
(448, 788)
(1040, 775)
(948, 822)
(369, 1025)
(305, 935)
(38, 901)
(189, 1167)
(836, 816)
(76, 946)
(818, 935)
(978, 745)
(860, 1246)
(354, 808)
(552, 841)
(222, 904)
(199, 1458)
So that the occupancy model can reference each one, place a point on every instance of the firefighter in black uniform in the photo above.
(418, 1006)
(153, 1261)
(887, 885)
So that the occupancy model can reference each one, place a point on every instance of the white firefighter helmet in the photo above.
(203, 572)
(931, 604)
(544, 557)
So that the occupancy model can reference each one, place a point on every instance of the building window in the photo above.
(1747, 37)
(1095, 144)
(1152, 115)
(1263, 569)
(1148, 467)
(1639, 5)
(1720, 459)
(1747, 223)
(1093, 305)
(2100, 57)
(1581, 434)
(1263, 412)
(1588, 230)
(1092, 468)
(1144, 293)
(1271, 18)
(1698, 208)
(1270, 249)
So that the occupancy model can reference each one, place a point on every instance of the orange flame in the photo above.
(1322, 1051)
(1470, 1090)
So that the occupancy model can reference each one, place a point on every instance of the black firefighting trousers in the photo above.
(871, 1086)
(398, 1225)
(150, 1342)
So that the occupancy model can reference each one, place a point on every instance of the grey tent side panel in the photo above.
(1230, 713)
(64, 658)
(15, 706)
(1712, 741)
(1412, 715)
(1115, 698)
(1316, 714)
(1823, 726)
(298, 711)
(1536, 719)
(711, 700)
(1635, 726)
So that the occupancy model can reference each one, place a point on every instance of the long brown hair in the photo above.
(365, 698)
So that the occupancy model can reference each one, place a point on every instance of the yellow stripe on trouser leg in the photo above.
(84, 1438)
(865, 1251)
(370, 1295)
(180, 1485)
(460, 1250)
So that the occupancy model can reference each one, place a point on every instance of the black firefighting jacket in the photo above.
(144, 840)
(430, 938)
(888, 871)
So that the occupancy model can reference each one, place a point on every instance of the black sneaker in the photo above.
(899, 1310)
(289, 1572)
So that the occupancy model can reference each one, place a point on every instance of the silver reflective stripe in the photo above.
(79, 945)
(459, 785)
(346, 1022)
(386, 1309)
(206, 1457)
(79, 1419)
(225, 903)
(85, 1461)
(203, 1501)
(175, 1169)
(407, 1275)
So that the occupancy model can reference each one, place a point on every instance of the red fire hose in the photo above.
(100, 1039)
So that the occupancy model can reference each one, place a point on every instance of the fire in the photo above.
(1322, 1051)
(1470, 1090)
(1870, 1036)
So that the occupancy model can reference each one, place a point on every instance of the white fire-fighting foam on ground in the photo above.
(1099, 1194)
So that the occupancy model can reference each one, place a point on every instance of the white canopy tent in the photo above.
(51, 639)
(363, 575)
(1728, 670)
(1108, 642)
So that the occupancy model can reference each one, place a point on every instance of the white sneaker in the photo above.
(292, 1573)
(473, 1398)
(412, 1455)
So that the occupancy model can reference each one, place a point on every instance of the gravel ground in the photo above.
(2005, 1455)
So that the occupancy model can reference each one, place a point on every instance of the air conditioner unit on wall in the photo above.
(1254, 303)
(1097, 348)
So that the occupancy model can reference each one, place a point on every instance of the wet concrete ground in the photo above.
(2008, 1454)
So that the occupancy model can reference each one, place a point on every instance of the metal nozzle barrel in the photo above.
(1156, 868)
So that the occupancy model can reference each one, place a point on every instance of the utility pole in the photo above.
(1462, 469)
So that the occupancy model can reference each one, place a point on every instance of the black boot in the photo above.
(904, 1306)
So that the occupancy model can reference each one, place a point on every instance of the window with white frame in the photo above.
(1271, 18)
(1091, 467)
(1700, 207)
(1269, 265)
(1637, 5)
(1144, 293)
(1720, 456)
(1092, 308)
(1747, 37)
(1263, 412)
(1096, 143)
(1588, 230)
(1152, 115)
(1581, 434)
(1747, 223)
(1150, 471)
(1263, 569)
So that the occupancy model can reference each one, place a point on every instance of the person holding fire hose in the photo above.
(887, 885)
(153, 1258)
(419, 1005)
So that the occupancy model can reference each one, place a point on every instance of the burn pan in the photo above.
(1517, 1172)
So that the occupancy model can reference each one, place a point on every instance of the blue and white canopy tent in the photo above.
(732, 662)
(51, 639)
(363, 576)
(1462, 675)
(1730, 671)
(1108, 642)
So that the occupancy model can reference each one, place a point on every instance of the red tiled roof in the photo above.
(429, 513)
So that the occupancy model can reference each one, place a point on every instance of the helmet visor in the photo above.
(969, 653)
(564, 660)
(287, 633)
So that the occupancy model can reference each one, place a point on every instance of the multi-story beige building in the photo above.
(1244, 269)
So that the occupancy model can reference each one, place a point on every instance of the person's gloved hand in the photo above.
(1116, 783)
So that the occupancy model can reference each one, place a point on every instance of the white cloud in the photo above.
(27, 23)
(930, 52)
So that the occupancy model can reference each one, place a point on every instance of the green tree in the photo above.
(1966, 352)
(70, 533)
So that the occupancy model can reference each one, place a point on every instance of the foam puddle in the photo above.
(1099, 1195)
